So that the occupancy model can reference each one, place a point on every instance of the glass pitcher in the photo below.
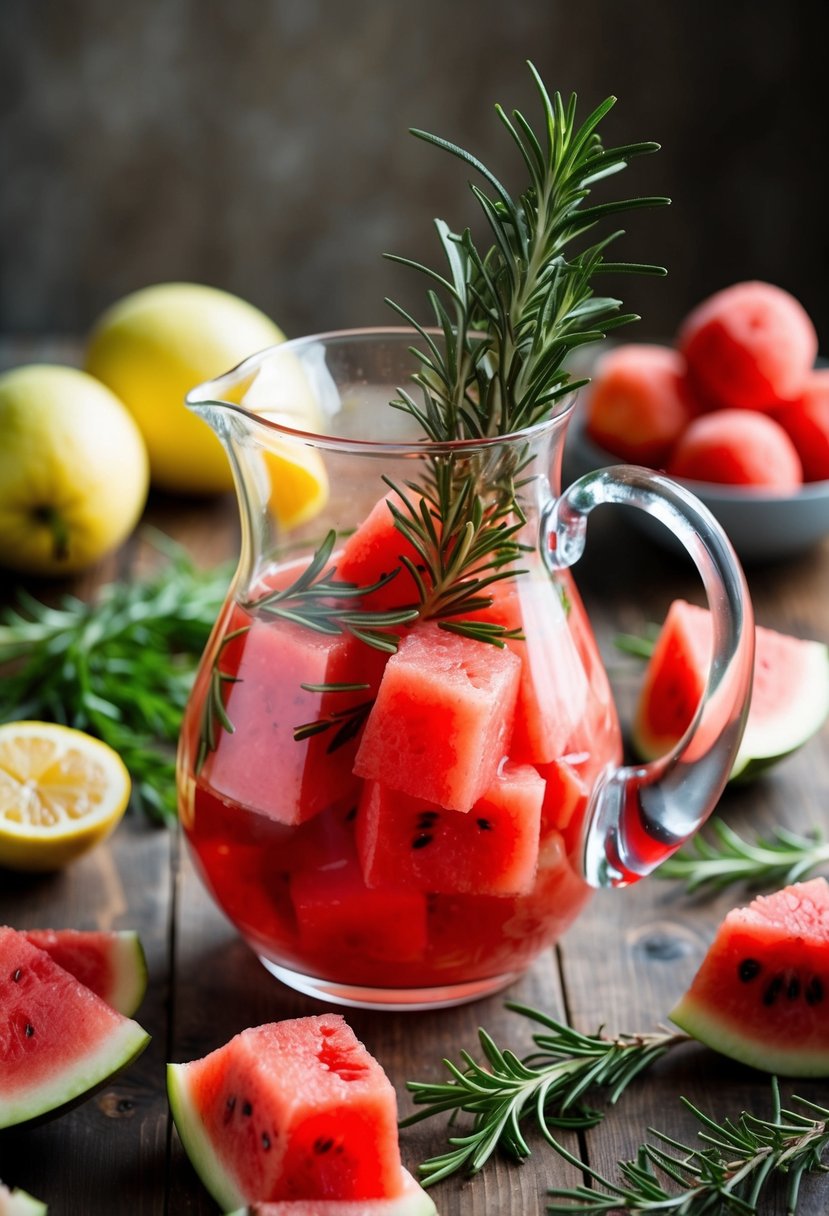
(400, 770)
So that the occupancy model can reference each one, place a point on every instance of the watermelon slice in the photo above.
(413, 1201)
(789, 700)
(374, 551)
(59, 1039)
(761, 993)
(112, 964)
(293, 1110)
(406, 843)
(442, 720)
(19, 1203)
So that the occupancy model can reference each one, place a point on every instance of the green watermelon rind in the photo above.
(702, 1023)
(198, 1146)
(20, 1203)
(76, 1080)
(413, 1202)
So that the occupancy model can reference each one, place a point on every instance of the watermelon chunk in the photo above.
(112, 964)
(298, 779)
(789, 699)
(293, 1110)
(19, 1203)
(375, 550)
(761, 993)
(344, 926)
(59, 1039)
(442, 719)
(410, 844)
(565, 796)
(413, 1201)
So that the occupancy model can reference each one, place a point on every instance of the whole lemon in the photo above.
(152, 347)
(73, 470)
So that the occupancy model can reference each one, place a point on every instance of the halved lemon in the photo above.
(61, 792)
(299, 483)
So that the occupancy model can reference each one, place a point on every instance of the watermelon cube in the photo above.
(410, 844)
(287, 1111)
(260, 764)
(565, 796)
(340, 919)
(375, 550)
(553, 688)
(442, 720)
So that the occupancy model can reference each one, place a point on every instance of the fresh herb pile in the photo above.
(120, 667)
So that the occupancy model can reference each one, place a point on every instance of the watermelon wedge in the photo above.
(412, 1201)
(761, 993)
(293, 1110)
(789, 700)
(19, 1203)
(59, 1039)
(112, 964)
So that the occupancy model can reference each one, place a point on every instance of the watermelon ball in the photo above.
(749, 346)
(740, 448)
(806, 422)
(638, 403)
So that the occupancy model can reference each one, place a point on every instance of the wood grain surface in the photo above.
(623, 965)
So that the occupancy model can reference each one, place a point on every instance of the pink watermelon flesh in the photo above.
(412, 1201)
(58, 1040)
(410, 844)
(288, 1111)
(341, 922)
(565, 796)
(375, 550)
(111, 964)
(441, 723)
(789, 697)
(303, 778)
(761, 993)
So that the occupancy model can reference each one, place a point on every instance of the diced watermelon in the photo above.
(412, 1201)
(260, 764)
(760, 994)
(375, 550)
(111, 963)
(346, 926)
(553, 688)
(442, 719)
(565, 796)
(59, 1039)
(410, 844)
(287, 1111)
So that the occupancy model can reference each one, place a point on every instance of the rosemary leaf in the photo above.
(718, 857)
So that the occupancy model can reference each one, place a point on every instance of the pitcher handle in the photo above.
(641, 814)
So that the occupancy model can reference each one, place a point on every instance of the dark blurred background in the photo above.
(262, 146)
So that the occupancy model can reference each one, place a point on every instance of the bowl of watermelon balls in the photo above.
(737, 409)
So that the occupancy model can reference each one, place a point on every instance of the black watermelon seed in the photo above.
(29, 1031)
(247, 1109)
(427, 819)
(351, 815)
(321, 1145)
(793, 990)
(749, 969)
(814, 991)
(484, 825)
(773, 990)
(421, 841)
(266, 1141)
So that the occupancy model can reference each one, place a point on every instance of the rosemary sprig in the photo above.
(729, 1174)
(119, 667)
(546, 1087)
(347, 721)
(776, 860)
(320, 601)
(214, 715)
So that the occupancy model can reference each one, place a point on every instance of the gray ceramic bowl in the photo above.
(762, 527)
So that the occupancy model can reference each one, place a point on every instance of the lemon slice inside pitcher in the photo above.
(61, 792)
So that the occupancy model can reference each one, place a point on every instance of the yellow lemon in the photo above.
(73, 470)
(156, 344)
(299, 483)
(61, 792)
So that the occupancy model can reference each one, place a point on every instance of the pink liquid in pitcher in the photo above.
(427, 836)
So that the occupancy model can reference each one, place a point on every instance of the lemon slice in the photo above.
(299, 483)
(61, 791)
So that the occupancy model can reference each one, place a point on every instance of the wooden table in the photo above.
(623, 965)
